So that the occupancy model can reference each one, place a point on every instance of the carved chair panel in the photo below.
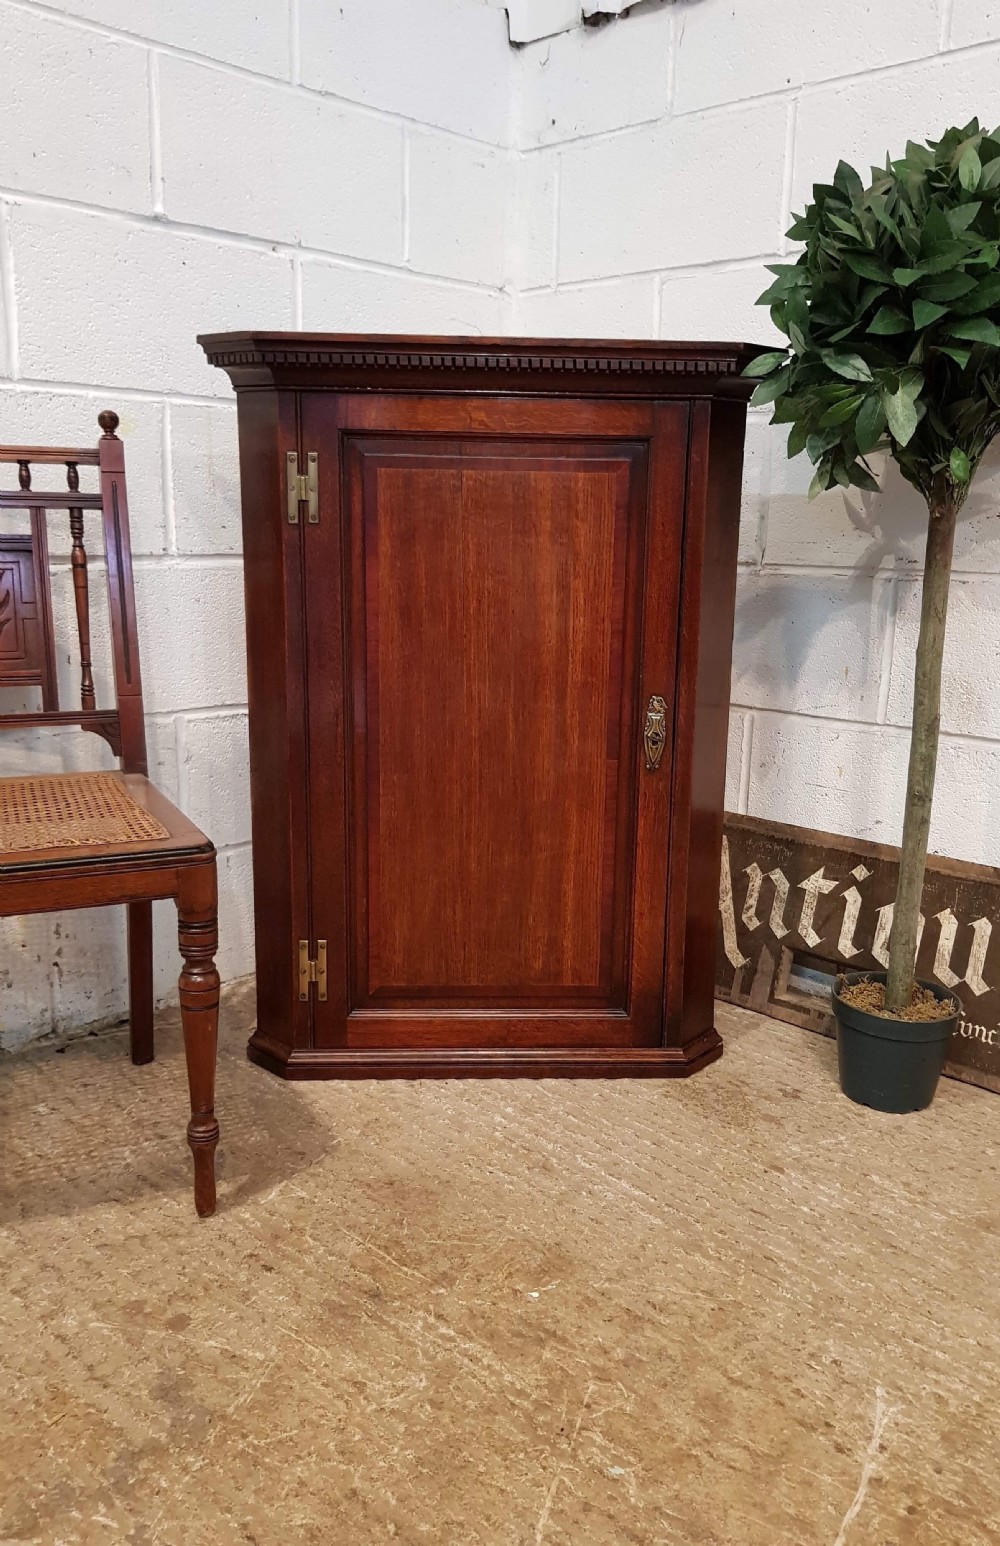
(26, 646)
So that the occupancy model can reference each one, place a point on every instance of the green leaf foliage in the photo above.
(978, 329)
(892, 315)
(765, 363)
(870, 424)
(889, 319)
(926, 312)
(772, 387)
(901, 414)
(970, 168)
(851, 366)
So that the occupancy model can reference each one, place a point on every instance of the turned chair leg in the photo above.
(140, 981)
(199, 994)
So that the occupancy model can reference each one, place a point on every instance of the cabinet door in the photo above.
(491, 634)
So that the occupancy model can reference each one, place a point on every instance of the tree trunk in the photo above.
(942, 514)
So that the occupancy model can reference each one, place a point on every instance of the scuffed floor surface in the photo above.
(736, 1311)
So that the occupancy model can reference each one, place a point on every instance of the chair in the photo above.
(102, 839)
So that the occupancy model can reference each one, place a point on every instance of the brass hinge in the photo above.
(302, 487)
(312, 970)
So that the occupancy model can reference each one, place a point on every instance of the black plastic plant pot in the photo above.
(890, 1065)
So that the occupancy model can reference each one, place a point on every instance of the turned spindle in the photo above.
(199, 1001)
(81, 591)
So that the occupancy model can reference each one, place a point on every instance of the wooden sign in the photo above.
(798, 906)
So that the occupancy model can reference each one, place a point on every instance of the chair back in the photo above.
(27, 634)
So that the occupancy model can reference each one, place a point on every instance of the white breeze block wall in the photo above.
(170, 167)
(659, 159)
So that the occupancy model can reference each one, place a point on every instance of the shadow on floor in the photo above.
(80, 1126)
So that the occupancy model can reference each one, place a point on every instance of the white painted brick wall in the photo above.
(973, 21)
(646, 190)
(810, 642)
(170, 167)
(104, 83)
(970, 689)
(459, 195)
(532, 231)
(865, 118)
(441, 62)
(714, 303)
(202, 447)
(600, 82)
(340, 298)
(99, 299)
(334, 176)
(728, 53)
(612, 308)
(254, 36)
(660, 157)
(851, 779)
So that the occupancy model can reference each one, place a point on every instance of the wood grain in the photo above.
(519, 544)
(493, 684)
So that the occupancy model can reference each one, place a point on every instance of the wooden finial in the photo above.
(109, 421)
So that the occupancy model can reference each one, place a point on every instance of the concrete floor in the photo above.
(736, 1311)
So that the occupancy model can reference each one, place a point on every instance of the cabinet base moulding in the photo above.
(485, 1063)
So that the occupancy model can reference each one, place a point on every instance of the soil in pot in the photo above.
(868, 993)
(891, 1062)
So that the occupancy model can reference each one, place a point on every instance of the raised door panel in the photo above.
(497, 883)
(489, 675)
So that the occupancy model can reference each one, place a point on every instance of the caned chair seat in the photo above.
(56, 819)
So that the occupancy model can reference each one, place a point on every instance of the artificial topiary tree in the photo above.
(892, 313)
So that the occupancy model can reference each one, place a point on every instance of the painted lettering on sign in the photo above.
(797, 906)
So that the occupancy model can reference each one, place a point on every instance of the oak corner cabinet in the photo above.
(490, 588)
